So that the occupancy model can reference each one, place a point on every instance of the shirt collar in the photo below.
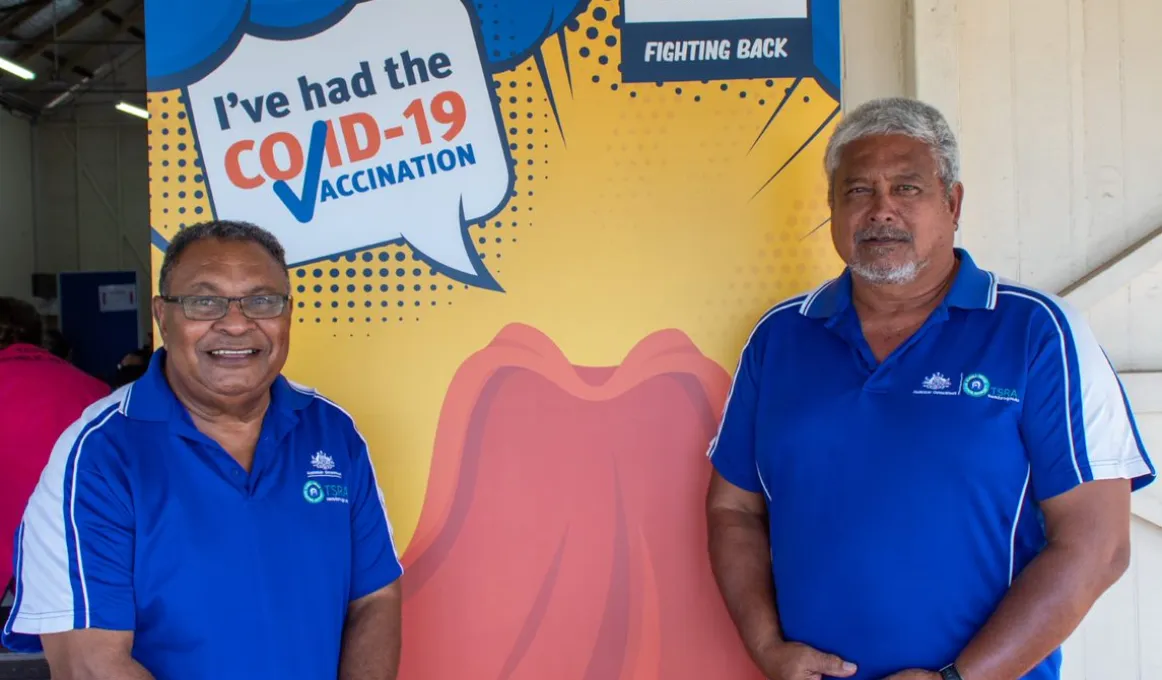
(973, 288)
(151, 398)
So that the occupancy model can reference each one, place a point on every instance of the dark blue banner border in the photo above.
(793, 37)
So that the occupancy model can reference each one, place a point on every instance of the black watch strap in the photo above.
(949, 672)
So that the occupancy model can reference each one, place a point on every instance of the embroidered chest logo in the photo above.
(324, 466)
(976, 385)
(322, 461)
(324, 481)
(313, 492)
(936, 384)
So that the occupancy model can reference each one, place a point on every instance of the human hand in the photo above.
(914, 675)
(795, 661)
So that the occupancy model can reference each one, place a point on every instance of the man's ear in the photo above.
(157, 305)
(956, 202)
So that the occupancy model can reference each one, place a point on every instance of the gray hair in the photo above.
(898, 116)
(224, 230)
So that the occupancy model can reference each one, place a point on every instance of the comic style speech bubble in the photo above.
(380, 129)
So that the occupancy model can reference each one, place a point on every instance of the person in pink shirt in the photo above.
(40, 396)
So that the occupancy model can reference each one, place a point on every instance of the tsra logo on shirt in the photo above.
(313, 492)
(976, 385)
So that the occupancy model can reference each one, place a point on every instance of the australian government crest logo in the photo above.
(324, 482)
(324, 466)
(322, 461)
(936, 383)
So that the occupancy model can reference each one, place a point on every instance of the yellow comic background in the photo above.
(649, 207)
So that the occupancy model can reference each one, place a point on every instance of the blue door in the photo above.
(99, 318)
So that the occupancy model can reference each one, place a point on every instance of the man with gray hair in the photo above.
(211, 519)
(922, 473)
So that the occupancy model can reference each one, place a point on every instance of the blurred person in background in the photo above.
(132, 366)
(55, 342)
(41, 394)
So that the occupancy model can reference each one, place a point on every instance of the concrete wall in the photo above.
(1056, 103)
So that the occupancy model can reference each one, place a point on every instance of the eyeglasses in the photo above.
(214, 307)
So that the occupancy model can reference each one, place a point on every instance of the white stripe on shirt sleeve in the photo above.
(46, 602)
(1110, 445)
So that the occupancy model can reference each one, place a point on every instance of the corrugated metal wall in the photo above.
(16, 219)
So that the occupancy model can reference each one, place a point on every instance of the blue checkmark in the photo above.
(303, 207)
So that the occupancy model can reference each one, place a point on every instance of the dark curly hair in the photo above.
(19, 323)
(225, 230)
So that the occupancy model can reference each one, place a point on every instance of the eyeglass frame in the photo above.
(180, 300)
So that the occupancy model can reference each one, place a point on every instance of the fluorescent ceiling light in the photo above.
(132, 110)
(16, 69)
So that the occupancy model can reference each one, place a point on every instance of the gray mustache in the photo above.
(882, 234)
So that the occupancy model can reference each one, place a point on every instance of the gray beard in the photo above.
(904, 273)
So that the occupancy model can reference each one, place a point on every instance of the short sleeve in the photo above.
(375, 561)
(74, 547)
(732, 451)
(1077, 423)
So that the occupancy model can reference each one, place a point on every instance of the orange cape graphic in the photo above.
(563, 534)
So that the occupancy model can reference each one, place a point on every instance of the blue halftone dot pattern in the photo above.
(514, 29)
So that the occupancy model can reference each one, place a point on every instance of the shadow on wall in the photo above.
(563, 533)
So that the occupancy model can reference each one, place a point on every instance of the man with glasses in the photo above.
(211, 519)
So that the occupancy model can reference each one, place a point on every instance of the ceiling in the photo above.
(84, 53)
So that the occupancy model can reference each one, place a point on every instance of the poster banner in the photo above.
(698, 39)
(527, 243)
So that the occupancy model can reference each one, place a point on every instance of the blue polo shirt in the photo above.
(903, 495)
(142, 523)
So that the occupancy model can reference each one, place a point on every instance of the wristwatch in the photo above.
(949, 672)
